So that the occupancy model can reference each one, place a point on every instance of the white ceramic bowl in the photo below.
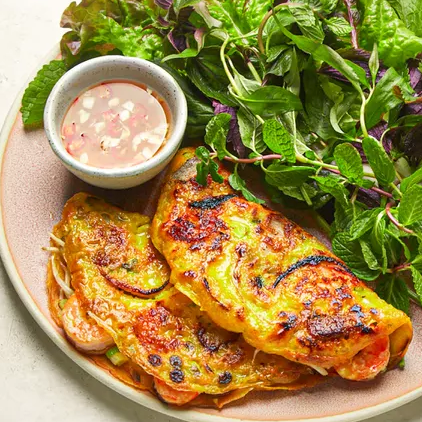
(93, 72)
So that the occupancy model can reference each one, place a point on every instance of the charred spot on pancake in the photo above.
(333, 326)
(358, 310)
(155, 360)
(225, 378)
(208, 368)
(343, 293)
(177, 376)
(207, 341)
(258, 282)
(289, 322)
(211, 202)
(190, 274)
(134, 290)
(206, 284)
(241, 250)
(312, 260)
(175, 361)
(194, 229)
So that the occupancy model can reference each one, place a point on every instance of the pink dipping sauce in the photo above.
(115, 125)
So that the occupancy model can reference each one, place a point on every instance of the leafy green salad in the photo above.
(323, 97)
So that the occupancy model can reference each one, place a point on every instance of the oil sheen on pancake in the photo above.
(255, 272)
(121, 282)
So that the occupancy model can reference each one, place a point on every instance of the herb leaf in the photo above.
(37, 92)
(279, 140)
(271, 100)
(216, 133)
(380, 24)
(351, 253)
(349, 162)
(237, 183)
(380, 162)
(278, 174)
(394, 290)
(411, 180)
(364, 222)
(385, 97)
(338, 26)
(410, 209)
(333, 186)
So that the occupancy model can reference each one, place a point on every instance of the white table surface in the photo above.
(38, 383)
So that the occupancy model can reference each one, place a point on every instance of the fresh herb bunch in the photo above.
(324, 96)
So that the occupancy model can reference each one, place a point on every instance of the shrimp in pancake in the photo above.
(121, 283)
(256, 273)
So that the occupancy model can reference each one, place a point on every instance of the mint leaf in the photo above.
(338, 26)
(379, 241)
(380, 162)
(349, 162)
(410, 209)
(394, 291)
(417, 281)
(333, 186)
(351, 253)
(411, 180)
(279, 140)
(343, 217)
(271, 100)
(364, 222)
(278, 175)
(237, 183)
(368, 255)
(216, 133)
(37, 92)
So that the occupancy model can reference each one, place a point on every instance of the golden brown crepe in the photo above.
(121, 284)
(255, 272)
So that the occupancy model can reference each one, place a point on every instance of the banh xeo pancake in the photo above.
(257, 273)
(120, 284)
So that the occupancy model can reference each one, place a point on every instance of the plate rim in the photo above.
(98, 373)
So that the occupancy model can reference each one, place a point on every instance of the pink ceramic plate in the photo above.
(34, 187)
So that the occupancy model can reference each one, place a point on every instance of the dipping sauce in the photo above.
(115, 125)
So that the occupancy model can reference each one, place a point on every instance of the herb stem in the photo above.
(382, 192)
(362, 115)
(395, 221)
(253, 160)
(226, 68)
(254, 72)
(265, 20)
(353, 35)
(414, 296)
(394, 187)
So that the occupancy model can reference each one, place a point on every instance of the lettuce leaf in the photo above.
(409, 11)
(100, 27)
(237, 16)
(381, 25)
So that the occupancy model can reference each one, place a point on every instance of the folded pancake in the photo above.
(257, 273)
(120, 283)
